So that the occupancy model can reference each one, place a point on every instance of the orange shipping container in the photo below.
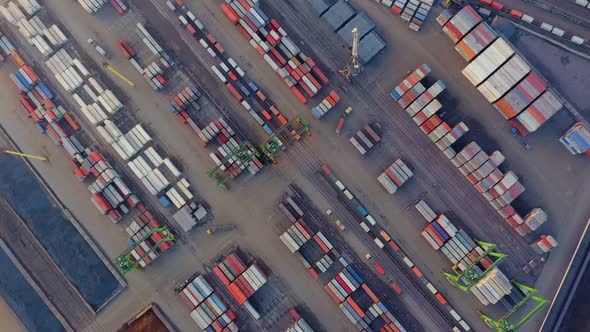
(440, 298)
(18, 60)
(237, 293)
(230, 13)
(355, 307)
(332, 295)
(370, 292)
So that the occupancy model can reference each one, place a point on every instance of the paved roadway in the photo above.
(257, 230)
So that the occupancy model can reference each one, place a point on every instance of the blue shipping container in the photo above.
(46, 90)
(171, 108)
(165, 201)
(253, 86)
(354, 274)
(441, 231)
(245, 91)
(395, 95)
(267, 129)
(262, 15)
(363, 211)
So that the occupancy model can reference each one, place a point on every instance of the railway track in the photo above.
(459, 196)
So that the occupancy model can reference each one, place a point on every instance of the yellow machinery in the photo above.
(114, 71)
(21, 154)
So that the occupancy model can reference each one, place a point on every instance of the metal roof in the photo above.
(362, 22)
(338, 14)
(370, 45)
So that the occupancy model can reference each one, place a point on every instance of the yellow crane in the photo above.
(21, 154)
(114, 71)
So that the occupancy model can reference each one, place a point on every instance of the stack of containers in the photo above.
(299, 325)
(488, 61)
(151, 242)
(296, 236)
(296, 69)
(224, 155)
(460, 24)
(537, 113)
(425, 98)
(346, 288)
(119, 6)
(92, 6)
(422, 106)
(476, 41)
(429, 110)
(208, 310)
(183, 100)
(409, 82)
(63, 67)
(110, 195)
(577, 139)
(365, 139)
(33, 30)
(460, 249)
(326, 105)
(241, 281)
(531, 222)
(544, 244)
(359, 303)
(504, 78)
(152, 73)
(154, 47)
(521, 96)
(395, 176)
(499, 188)
(126, 145)
(413, 11)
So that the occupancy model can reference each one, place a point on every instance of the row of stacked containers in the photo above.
(502, 76)
(344, 284)
(463, 252)
(480, 169)
(208, 309)
(296, 69)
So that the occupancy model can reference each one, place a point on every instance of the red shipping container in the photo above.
(191, 29)
(245, 4)
(298, 94)
(237, 293)
(440, 298)
(326, 169)
(379, 269)
(313, 273)
(221, 276)
(234, 92)
(321, 244)
(117, 7)
(319, 73)
(331, 293)
(306, 89)
(370, 293)
(343, 284)
(230, 13)
(243, 32)
(72, 122)
(355, 306)
(396, 287)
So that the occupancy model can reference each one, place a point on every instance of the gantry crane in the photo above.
(469, 277)
(503, 324)
(126, 262)
(292, 131)
(354, 68)
(241, 156)
(21, 154)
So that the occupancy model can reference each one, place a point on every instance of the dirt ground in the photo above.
(9, 320)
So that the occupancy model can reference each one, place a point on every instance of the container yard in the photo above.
(302, 165)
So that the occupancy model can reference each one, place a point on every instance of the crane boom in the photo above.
(21, 154)
(355, 52)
